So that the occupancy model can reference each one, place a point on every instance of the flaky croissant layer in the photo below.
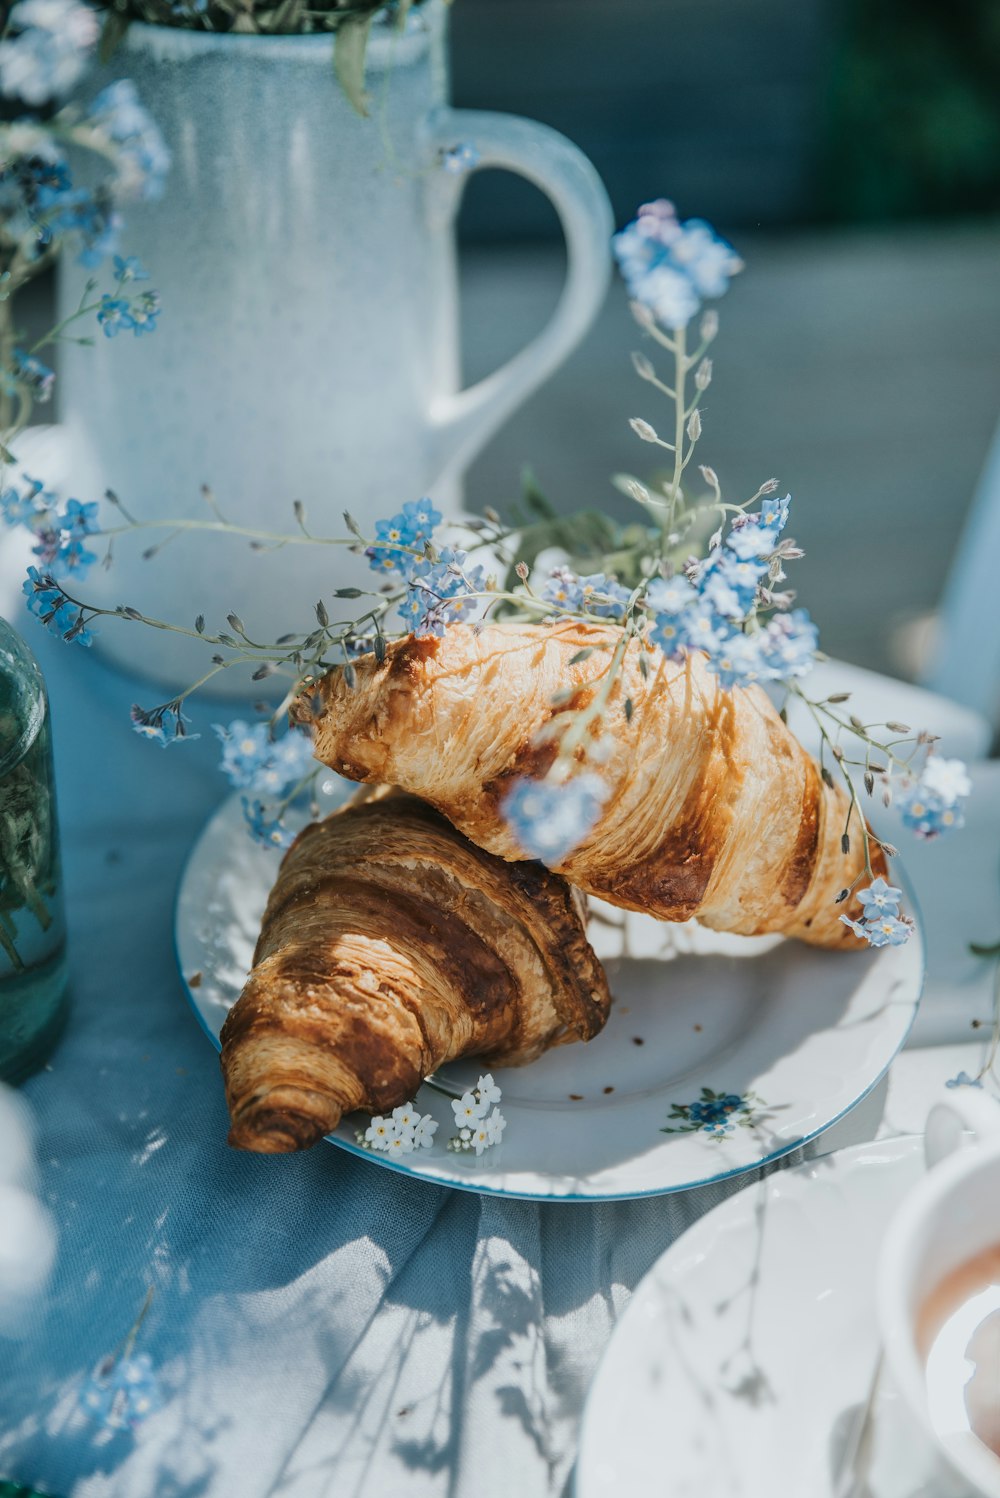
(390, 945)
(714, 809)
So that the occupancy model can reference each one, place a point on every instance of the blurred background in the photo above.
(850, 149)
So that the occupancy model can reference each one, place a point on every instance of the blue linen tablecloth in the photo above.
(318, 1325)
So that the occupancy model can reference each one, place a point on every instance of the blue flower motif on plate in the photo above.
(715, 1113)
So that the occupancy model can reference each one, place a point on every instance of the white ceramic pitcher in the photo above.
(308, 344)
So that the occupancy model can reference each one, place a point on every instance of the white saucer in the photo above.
(788, 1038)
(743, 1358)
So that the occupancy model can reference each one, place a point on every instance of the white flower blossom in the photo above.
(424, 1131)
(405, 1118)
(380, 1133)
(481, 1137)
(468, 1109)
(488, 1090)
(48, 54)
(495, 1125)
(400, 1144)
(947, 778)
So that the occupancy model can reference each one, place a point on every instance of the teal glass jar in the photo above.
(33, 970)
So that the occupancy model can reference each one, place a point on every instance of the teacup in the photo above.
(950, 1219)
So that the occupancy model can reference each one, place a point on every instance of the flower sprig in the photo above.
(123, 1389)
(881, 924)
(480, 1124)
(45, 48)
(665, 584)
(929, 795)
(404, 1130)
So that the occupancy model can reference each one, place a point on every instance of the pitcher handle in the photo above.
(462, 423)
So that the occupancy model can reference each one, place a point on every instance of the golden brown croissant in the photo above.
(390, 945)
(714, 808)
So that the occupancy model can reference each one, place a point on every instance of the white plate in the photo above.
(791, 1035)
(743, 1359)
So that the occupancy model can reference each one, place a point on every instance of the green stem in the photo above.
(307, 779)
(862, 733)
(7, 934)
(129, 1342)
(252, 533)
(183, 696)
(54, 334)
(855, 806)
(680, 404)
(34, 901)
(582, 720)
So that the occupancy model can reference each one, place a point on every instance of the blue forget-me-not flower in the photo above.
(671, 267)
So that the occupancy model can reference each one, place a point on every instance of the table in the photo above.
(319, 1326)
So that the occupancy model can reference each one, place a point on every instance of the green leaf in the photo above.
(534, 498)
(349, 60)
(112, 32)
(286, 17)
(588, 537)
(9, 1489)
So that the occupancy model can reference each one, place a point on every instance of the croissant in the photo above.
(391, 944)
(714, 808)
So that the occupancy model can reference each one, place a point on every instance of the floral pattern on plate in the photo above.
(716, 1113)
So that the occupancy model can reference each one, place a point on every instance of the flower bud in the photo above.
(643, 429)
(694, 426)
(703, 375)
(709, 325)
(643, 367)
